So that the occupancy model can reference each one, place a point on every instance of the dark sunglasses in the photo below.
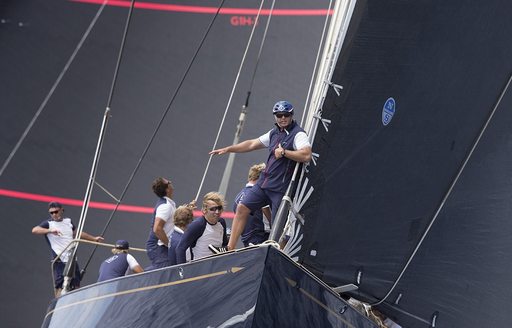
(284, 114)
(54, 212)
(216, 208)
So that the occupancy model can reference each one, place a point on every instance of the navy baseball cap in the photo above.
(122, 244)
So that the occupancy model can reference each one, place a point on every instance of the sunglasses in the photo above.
(284, 114)
(216, 208)
(54, 212)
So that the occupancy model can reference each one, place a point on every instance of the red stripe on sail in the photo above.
(97, 205)
(210, 10)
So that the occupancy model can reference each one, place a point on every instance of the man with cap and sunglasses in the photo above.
(120, 264)
(59, 231)
(287, 144)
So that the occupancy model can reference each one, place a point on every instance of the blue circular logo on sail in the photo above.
(388, 110)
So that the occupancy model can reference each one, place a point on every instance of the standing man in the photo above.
(120, 264)
(59, 231)
(287, 144)
(161, 225)
(210, 229)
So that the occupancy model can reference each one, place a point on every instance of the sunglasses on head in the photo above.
(216, 208)
(54, 212)
(283, 114)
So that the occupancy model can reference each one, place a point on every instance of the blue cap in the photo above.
(122, 244)
(282, 107)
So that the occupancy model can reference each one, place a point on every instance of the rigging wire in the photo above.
(448, 192)
(157, 128)
(261, 47)
(99, 146)
(241, 120)
(235, 84)
(53, 88)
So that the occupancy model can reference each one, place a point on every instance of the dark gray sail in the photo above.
(38, 37)
(402, 206)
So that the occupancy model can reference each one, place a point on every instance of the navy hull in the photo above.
(256, 287)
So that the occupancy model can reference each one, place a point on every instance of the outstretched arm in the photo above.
(242, 147)
(89, 237)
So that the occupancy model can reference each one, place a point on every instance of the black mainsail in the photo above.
(411, 190)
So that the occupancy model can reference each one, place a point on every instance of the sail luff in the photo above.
(338, 27)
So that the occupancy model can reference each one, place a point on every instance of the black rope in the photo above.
(263, 38)
(160, 122)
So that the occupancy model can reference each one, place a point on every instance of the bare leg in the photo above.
(57, 292)
(242, 212)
